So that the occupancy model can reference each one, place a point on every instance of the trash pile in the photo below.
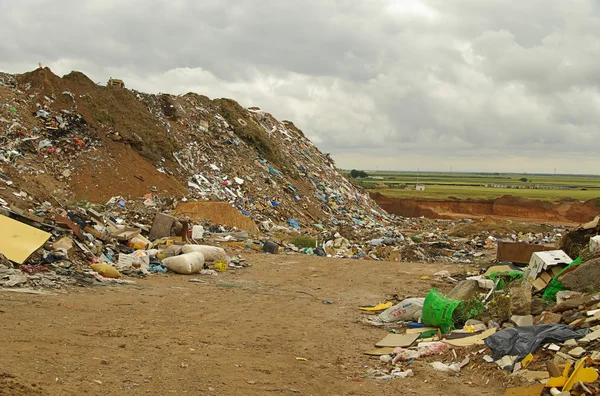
(423, 240)
(70, 142)
(539, 323)
(216, 150)
(52, 247)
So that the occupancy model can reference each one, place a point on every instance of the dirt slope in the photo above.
(508, 207)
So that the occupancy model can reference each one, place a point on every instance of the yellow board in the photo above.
(378, 307)
(18, 240)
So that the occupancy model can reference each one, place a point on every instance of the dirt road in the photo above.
(237, 334)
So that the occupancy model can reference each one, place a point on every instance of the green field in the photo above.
(477, 185)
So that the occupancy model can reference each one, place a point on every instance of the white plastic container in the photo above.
(197, 232)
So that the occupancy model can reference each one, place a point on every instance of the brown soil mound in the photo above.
(217, 213)
(507, 207)
(116, 169)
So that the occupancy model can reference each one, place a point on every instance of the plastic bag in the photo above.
(521, 341)
(211, 253)
(446, 368)
(189, 263)
(434, 348)
(408, 310)
(106, 270)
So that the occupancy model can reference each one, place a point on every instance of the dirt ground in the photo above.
(564, 212)
(236, 334)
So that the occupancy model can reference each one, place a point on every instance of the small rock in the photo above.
(98, 382)
(571, 342)
(539, 305)
(554, 347)
(251, 382)
(585, 276)
(520, 299)
(549, 318)
(595, 356)
(577, 352)
(533, 376)
(564, 295)
(105, 362)
(522, 320)
(465, 290)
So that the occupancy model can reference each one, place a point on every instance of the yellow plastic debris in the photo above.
(559, 382)
(301, 359)
(426, 277)
(106, 270)
(221, 266)
(580, 373)
(378, 307)
(526, 360)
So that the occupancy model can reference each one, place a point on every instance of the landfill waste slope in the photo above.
(69, 139)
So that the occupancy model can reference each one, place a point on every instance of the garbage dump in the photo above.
(502, 317)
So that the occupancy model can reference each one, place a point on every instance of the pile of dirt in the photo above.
(498, 227)
(507, 207)
(67, 140)
(218, 213)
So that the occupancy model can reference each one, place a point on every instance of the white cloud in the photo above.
(477, 85)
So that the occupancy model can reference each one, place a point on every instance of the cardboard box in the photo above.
(543, 261)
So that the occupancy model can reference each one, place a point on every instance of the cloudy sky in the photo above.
(472, 85)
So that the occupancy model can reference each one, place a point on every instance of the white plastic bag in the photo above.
(211, 253)
(446, 368)
(186, 264)
(408, 310)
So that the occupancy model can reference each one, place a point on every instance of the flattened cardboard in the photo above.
(380, 351)
(398, 340)
(533, 390)
(420, 330)
(473, 340)
(18, 240)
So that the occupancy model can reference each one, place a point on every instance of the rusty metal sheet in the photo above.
(519, 252)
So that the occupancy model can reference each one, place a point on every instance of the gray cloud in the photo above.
(476, 85)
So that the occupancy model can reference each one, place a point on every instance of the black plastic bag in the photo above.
(521, 341)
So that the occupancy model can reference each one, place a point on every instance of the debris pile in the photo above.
(52, 247)
(506, 318)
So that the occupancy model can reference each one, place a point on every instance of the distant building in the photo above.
(420, 187)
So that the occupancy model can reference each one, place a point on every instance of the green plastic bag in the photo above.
(438, 310)
(555, 285)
